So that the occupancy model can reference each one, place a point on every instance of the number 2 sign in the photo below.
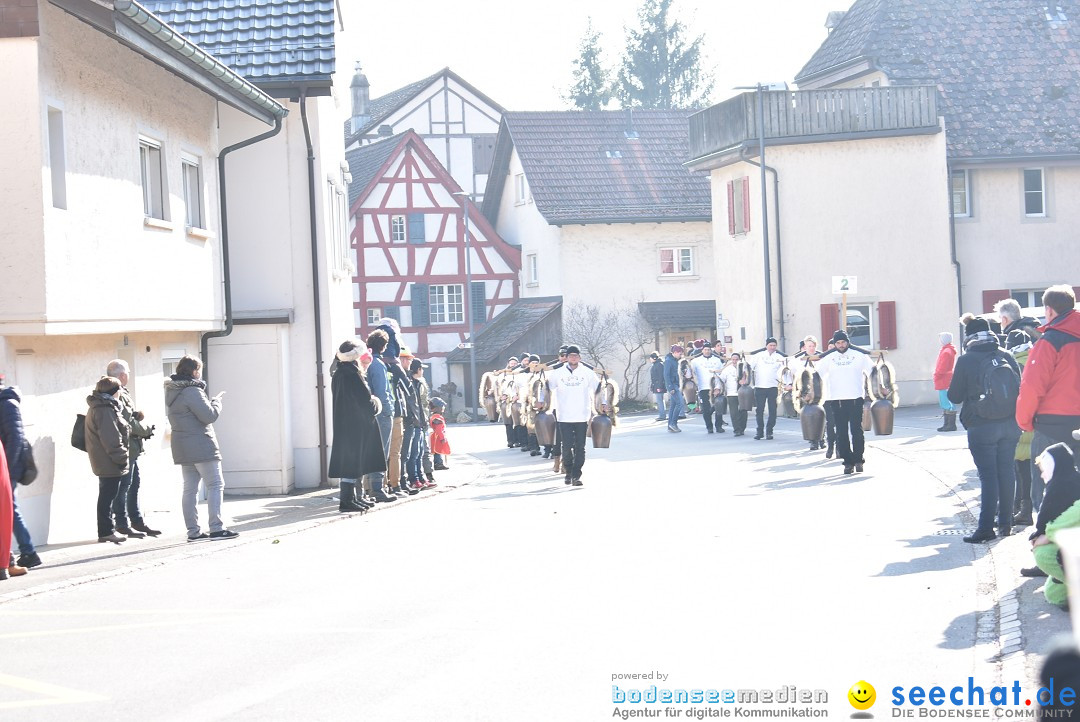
(844, 284)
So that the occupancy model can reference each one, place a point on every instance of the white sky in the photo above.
(520, 53)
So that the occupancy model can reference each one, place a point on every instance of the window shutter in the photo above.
(420, 313)
(886, 325)
(830, 322)
(746, 203)
(393, 312)
(992, 297)
(478, 299)
(731, 208)
(416, 228)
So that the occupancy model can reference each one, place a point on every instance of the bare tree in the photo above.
(612, 338)
(634, 336)
(590, 328)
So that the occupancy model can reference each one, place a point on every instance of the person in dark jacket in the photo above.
(673, 386)
(357, 448)
(379, 383)
(991, 441)
(15, 444)
(656, 383)
(129, 518)
(405, 415)
(107, 440)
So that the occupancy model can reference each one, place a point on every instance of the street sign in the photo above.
(844, 284)
(467, 344)
(723, 323)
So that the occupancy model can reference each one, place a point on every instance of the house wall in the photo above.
(876, 209)
(520, 224)
(999, 248)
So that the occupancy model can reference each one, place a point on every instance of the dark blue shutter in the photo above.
(420, 313)
(479, 303)
(393, 312)
(416, 228)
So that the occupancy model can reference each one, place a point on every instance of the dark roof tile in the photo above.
(365, 162)
(504, 331)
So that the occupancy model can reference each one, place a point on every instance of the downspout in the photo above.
(320, 381)
(952, 249)
(204, 343)
(779, 253)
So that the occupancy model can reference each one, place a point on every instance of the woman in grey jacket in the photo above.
(194, 446)
(107, 437)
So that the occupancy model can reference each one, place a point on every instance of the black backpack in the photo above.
(998, 386)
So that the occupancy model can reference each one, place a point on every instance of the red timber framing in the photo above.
(393, 276)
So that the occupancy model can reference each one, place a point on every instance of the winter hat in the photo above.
(700, 343)
(1016, 338)
(945, 337)
(975, 325)
(349, 351)
(769, 340)
(390, 323)
(654, 355)
(416, 365)
(437, 404)
(706, 344)
(677, 348)
(562, 349)
(512, 358)
(573, 349)
(840, 335)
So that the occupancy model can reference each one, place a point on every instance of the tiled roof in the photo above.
(365, 162)
(582, 167)
(265, 41)
(1008, 70)
(679, 314)
(502, 333)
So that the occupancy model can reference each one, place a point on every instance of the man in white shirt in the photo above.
(572, 388)
(845, 369)
(705, 367)
(766, 365)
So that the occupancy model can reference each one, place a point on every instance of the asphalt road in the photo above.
(723, 563)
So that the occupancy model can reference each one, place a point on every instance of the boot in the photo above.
(950, 421)
(347, 494)
(381, 496)
(558, 464)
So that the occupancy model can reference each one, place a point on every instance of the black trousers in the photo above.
(556, 450)
(738, 416)
(761, 398)
(510, 438)
(705, 401)
(107, 488)
(850, 442)
(830, 423)
(521, 436)
(573, 448)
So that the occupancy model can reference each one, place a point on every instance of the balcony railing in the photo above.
(805, 114)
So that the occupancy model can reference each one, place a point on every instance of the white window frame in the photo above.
(871, 308)
(521, 193)
(399, 232)
(738, 202)
(196, 220)
(443, 308)
(54, 120)
(678, 254)
(155, 198)
(1041, 192)
(533, 268)
(373, 316)
(966, 212)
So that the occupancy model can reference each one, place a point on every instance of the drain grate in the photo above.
(954, 532)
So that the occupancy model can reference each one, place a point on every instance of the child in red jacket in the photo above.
(440, 447)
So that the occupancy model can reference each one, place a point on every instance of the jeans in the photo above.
(993, 447)
(705, 397)
(943, 400)
(412, 451)
(850, 441)
(108, 486)
(1040, 443)
(659, 397)
(210, 474)
(125, 507)
(676, 407)
(425, 454)
(18, 526)
(573, 455)
(386, 427)
(738, 416)
(763, 398)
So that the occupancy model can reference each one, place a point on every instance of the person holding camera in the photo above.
(125, 506)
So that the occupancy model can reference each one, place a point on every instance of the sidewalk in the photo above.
(257, 518)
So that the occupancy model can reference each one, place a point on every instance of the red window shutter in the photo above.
(746, 203)
(992, 297)
(731, 208)
(830, 322)
(886, 325)
(1076, 292)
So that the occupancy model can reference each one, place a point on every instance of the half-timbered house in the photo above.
(413, 262)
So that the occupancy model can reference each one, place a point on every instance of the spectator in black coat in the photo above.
(15, 446)
(656, 383)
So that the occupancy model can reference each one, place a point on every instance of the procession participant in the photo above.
(530, 406)
(766, 366)
(556, 449)
(807, 349)
(520, 376)
(672, 382)
(572, 388)
(830, 410)
(504, 402)
(656, 383)
(845, 369)
(733, 375)
(705, 367)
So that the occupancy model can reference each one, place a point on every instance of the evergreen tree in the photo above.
(660, 69)
(592, 81)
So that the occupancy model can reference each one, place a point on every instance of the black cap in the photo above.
(707, 344)
(562, 349)
(976, 325)
(769, 340)
(573, 349)
(416, 365)
(840, 335)
(654, 355)
(534, 357)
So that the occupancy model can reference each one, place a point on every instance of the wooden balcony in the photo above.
(808, 116)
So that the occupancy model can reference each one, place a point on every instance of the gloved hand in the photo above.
(376, 404)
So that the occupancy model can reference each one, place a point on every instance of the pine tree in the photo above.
(592, 81)
(659, 69)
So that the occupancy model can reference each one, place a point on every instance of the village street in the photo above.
(721, 563)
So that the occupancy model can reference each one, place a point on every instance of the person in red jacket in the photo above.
(943, 371)
(1049, 401)
(440, 447)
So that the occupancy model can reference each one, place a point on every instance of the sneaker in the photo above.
(141, 526)
(441, 467)
(16, 571)
(980, 536)
(30, 560)
(674, 429)
(198, 537)
(758, 437)
(224, 534)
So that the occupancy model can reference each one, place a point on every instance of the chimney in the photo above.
(360, 99)
(834, 19)
(385, 131)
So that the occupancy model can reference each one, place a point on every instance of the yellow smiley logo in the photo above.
(862, 695)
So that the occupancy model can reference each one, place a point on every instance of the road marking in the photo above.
(54, 694)
(116, 627)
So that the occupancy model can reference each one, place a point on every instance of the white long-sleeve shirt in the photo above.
(844, 373)
(730, 377)
(572, 391)
(703, 370)
(766, 369)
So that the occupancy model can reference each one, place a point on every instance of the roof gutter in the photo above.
(211, 66)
